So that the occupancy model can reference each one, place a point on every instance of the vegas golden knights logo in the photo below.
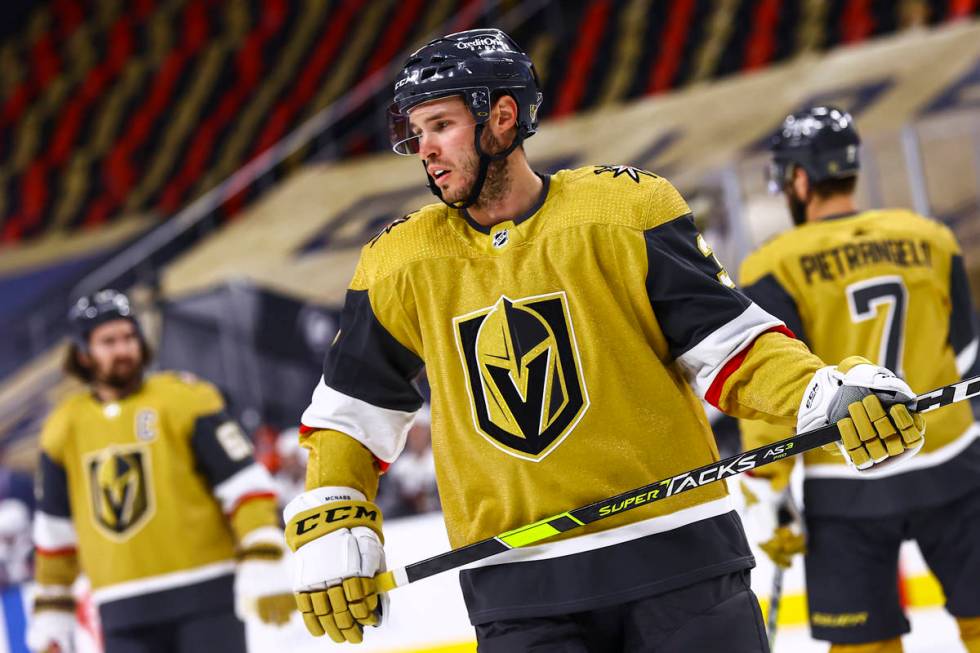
(122, 500)
(523, 373)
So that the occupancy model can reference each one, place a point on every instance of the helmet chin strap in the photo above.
(481, 177)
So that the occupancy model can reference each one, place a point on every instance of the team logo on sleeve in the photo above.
(523, 373)
(119, 485)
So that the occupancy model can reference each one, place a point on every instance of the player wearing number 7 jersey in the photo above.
(888, 285)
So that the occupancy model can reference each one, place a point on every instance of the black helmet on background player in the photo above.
(473, 65)
(96, 309)
(822, 140)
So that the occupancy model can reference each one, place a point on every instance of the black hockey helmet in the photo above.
(474, 65)
(822, 140)
(96, 309)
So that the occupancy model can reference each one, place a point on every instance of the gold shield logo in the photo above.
(523, 373)
(122, 500)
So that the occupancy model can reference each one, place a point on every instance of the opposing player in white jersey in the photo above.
(569, 325)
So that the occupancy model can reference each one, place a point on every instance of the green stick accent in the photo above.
(534, 532)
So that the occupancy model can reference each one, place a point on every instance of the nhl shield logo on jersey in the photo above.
(122, 500)
(523, 373)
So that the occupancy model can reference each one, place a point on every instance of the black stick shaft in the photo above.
(657, 491)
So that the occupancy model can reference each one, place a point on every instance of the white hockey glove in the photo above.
(262, 587)
(855, 395)
(51, 626)
(773, 517)
(336, 536)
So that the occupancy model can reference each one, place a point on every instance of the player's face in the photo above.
(115, 353)
(445, 130)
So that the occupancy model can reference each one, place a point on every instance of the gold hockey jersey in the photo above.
(888, 285)
(149, 491)
(567, 351)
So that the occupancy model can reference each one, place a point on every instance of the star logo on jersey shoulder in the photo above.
(388, 227)
(629, 171)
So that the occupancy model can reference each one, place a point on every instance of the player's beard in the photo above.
(797, 208)
(121, 374)
(497, 183)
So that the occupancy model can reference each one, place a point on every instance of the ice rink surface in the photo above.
(429, 616)
(933, 631)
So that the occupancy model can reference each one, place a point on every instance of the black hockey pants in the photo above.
(719, 615)
(210, 632)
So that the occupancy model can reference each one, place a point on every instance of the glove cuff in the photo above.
(318, 497)
(54, 598)
(325, 510)
(266, 544)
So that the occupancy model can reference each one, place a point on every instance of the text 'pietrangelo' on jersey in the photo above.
(568, 351)
(888, 285)
(148, 496)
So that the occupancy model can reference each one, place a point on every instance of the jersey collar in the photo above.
(545, 183)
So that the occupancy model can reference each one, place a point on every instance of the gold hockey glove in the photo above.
(771, 515)
(868, 404)
(335, 534)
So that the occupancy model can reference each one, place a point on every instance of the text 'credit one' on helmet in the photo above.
(822, 140)
(474, 65)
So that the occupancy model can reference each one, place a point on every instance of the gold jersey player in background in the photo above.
(891, 286)
(149, 488)
(569, 325)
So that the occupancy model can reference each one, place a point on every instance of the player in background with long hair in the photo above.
(147, 486)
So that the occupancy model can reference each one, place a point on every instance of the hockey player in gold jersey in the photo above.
(569, 325)
(888, 285)
(148, 487)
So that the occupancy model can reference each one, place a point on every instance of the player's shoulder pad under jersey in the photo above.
(627, 195)
(918, 226)
(412, 237)
(766, 258)
(57, 426)
(188, 391)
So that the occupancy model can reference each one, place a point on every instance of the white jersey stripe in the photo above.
(253, 479)
(382, 430)
(968, 357)
(151, 584)
(704, 361)
(53, 533)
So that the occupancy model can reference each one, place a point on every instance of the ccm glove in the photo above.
(262, 587)
(336, 536)
(52, 624)
(772, 515)
(868, 404)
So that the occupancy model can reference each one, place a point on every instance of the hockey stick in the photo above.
(785, 515)
(668, 487)
(775, 597)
